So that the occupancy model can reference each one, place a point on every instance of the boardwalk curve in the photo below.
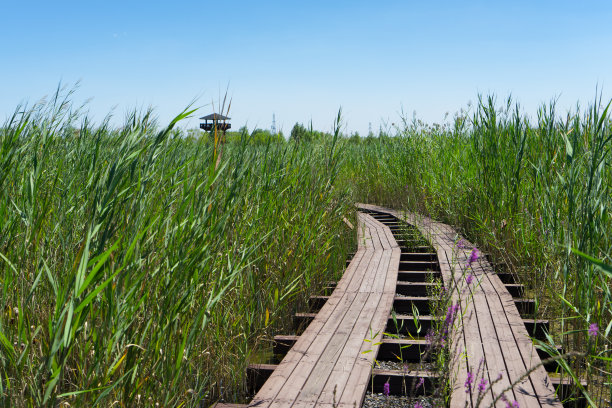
(331, 363)
(492, 335)
(327, 365)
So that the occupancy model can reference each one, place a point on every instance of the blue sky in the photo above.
(303, 60)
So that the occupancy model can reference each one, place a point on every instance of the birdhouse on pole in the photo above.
(215, 120)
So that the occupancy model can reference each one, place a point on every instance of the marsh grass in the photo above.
(139, 267)
(526, 192)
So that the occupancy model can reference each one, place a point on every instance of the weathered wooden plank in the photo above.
(492, 342)
(491, 326)
(334, 370)
(315, 379)
(510, 354)
(345, 363)
(538, 379)
(333, 341)
(321, 330)
(301, 372)
(356, 385)
(370, 325)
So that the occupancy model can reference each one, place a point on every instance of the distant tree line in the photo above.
(299, 134)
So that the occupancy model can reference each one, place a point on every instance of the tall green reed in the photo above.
(527, 192)
(137, 270)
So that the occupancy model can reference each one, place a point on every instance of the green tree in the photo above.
(299, 133)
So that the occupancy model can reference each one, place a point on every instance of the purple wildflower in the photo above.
(468, 382)
(469, 278)
(461, 244)
(482, 386)
(593, 330)
(429, 337)
(450, 316)
(421, 382)
(474, 255)
(513, 404)
(418, 405)
(387, 389)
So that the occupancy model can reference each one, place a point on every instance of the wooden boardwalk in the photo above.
(491, 334)
(329, 364)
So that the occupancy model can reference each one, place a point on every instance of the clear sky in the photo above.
(303, 60)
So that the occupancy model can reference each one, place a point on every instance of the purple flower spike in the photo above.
(418, 405)
(482, 386)
(469, 278)
(450, 314)
(387, 389)
(513, 404)
(429, 337)
(474, 255)
(468, 382)
(421, 382)
(593, 330)
(461, 244)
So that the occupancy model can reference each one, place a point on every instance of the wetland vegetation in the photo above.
(142, 265)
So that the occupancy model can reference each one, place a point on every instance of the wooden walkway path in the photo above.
(330, 364)
(491, 334)
(327, 365)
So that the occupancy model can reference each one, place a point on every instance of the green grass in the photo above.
(138, 266)
(136, 272)
(525, 191)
